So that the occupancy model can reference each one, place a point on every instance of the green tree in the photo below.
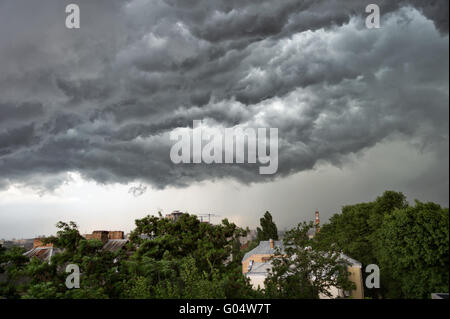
(304, 269)
(163, 247)
(354, 229)
(12, 265)
(413, 246)
(138, 288)
(268, 228)
(99, 278)
(206, 243)
(192, 283)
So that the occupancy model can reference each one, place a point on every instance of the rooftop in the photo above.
(114, 244)
(44, 253)
(264, 249)
(260, 268)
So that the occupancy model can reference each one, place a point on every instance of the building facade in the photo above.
(256, 265)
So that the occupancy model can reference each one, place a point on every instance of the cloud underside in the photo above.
(103, 99)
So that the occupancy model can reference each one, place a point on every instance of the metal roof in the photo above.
(264, 248)
(114, 244)
(43, 253)
(353, 262)
(260, 268)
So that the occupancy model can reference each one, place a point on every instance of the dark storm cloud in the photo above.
(102, 100)
(20, 112)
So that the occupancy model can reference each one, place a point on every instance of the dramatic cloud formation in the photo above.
(103, 99)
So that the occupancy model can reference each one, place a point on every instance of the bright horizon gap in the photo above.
(300, 197)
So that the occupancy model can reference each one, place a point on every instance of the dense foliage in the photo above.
(304, 269)
(163, 259)
(187, 258)
(268, 228)
(413, 246)
(408, 243)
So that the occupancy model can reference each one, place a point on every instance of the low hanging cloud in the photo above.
(103, 99)
(137, 190)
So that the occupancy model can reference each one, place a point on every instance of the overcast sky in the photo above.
(85, 114)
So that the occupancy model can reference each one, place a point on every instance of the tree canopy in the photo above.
(413, 246)
(304, 269)
(187, 258)
(163, 259)
(268, 229)
(387, 232)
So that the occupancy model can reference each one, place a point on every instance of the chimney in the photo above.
(317, 222)
(271, 243)
(116, 234)
(101, 235)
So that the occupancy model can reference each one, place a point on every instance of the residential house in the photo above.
(174, 215)
(256, 265)
(112, 240)
(42, 251)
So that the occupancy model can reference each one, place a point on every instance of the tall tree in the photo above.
(12, 263)
(413, 246)
(268, 228)
(100, 278)
(170, 248)
(304, 269)
(207, 243)
(354, 229)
